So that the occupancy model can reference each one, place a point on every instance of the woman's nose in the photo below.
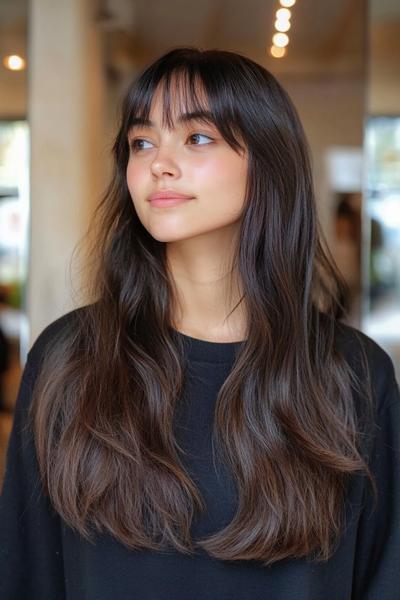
(164, 162)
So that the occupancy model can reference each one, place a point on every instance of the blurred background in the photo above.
(63, 69)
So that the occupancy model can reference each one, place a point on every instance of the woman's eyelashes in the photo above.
(135, 144)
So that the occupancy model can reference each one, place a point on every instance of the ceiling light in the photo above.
(283, 14)
(277, 52)
(282, 25)
(280, 40)
(13, 62)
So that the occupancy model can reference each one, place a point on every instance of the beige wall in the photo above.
(332, 112)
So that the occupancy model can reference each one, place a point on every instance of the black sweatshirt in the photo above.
(41, 558)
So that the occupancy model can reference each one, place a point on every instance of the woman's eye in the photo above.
(135, 144)
(194, 135)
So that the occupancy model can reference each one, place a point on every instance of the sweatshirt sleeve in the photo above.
(31, 560)
(377, 560)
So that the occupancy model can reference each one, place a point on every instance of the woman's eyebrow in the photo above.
(198, 115)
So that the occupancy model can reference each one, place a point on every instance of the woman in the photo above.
(205, 427)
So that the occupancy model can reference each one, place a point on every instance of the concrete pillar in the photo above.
(68, 154)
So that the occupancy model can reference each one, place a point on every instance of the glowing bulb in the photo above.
(283, 14)
(280, 40)
(14, 62)
(282, 25)
(277, 52)
(287, 3)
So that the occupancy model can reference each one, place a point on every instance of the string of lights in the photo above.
(280, 39)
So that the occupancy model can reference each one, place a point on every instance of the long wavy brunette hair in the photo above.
(286, 421)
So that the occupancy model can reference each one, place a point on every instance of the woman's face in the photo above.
(192, 159)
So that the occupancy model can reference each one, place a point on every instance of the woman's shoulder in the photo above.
(53, 332)
(351, 340)
(361, 352)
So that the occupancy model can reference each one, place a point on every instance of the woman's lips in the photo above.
(166, 202)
